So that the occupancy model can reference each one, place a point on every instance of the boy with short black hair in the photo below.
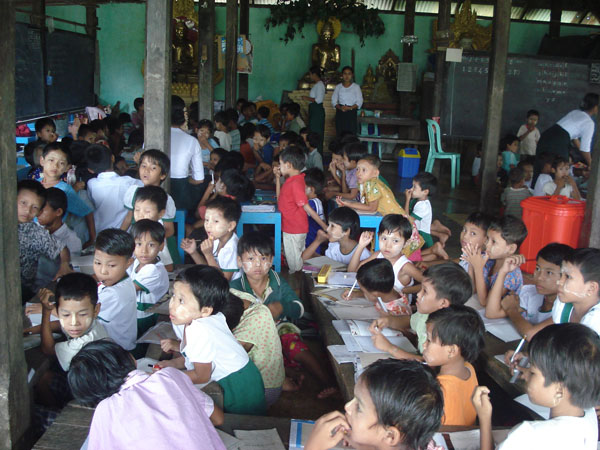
(514, 194)
(527, 167)
(545, 175)
(262, 149)
(528, 134)
(314, 180)
(418, 205)
(314, 158)
(45, 130)
(376, 280)
(232, 127)
(352, 153)
(85, 133)
(221, 131)
(51, 219)
(137, 117)
(509, 146)
(454, 341)
(263, 118)
(562, 183)
(116, 291)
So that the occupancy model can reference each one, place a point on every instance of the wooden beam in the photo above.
(206, 49)
(495, 100)
(157, 79)
(590, 230)
(91, 21)
(231, 35)
(37, 18)
(409, 29)
(14, 392)
(442, 39)
(244, 29)
(555, 16)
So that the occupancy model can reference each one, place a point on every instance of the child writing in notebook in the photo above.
(396, 405)
(209, 350)
(564, 376)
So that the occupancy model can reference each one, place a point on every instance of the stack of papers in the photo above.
(466, 440)
(319, 261)
(259, 439)
(341, 354)
(258, 208)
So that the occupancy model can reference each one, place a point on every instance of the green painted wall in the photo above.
(72, 13)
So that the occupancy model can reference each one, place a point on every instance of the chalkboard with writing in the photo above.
(29, 76)
(552, 86)
(70, 62)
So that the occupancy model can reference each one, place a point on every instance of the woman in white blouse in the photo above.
(316, 112)
(576, 126)
(347, 99)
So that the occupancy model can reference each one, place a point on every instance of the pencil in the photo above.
(349, 296)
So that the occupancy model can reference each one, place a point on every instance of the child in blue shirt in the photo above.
(509, 147)
(314, 180)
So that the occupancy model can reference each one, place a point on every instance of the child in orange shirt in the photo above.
(454, 340)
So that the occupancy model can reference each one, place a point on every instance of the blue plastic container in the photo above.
(408, 162)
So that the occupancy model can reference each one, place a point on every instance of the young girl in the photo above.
(204, 132)
(397, 404)
(210, 352)
(565, 377)
(347, 99)
(394, 231)
(562, 182)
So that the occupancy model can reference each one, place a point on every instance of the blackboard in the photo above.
(29, 72)
(552, 86)
(70, 60)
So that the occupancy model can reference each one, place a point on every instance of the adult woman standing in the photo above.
(316, 112)
(347, 99)
(577, 126)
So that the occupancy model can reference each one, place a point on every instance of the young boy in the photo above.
(503, 240)
(51, 219)
(220, 248)
(137, 117)
(419, 206)
(454, 341)
(352, 153)
(232, 128)
(314, 158)
(314, 180)
(263, 118)
(376, 281)
(204, 132)
(514, 194)
(147, 272)
(528, 134)
(108, 189)
(45, 130)
(116, 291)
(262, 150)
(563, 183)
(294, 207)
(509, 147)
(527, 167)
(295, 122)
(344, 225)
(221, 131)
(34, 240)
(443, 285)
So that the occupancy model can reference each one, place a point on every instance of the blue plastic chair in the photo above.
(436, 152)
(364, 131)
(180, 222)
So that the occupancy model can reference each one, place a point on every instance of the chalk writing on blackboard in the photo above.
(595, 73)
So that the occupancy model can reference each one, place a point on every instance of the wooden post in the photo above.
(231, 36)
(157, 79)
(244, 29)
(38, 19)
(590, 231)
(91, 21)
(206, 56)
(442, 39)
(555, 16)
(409, 29)
(495, 100)
(14, 392)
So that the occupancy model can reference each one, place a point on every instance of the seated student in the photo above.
(121, 166)
(314, 180)
(34, 240)
(108, 189)
(396, 404)
(220, 248)
(527, 167)
(314, 158)
(394, 232)
(77, 309)
(215, 157)
(147, 272)
(546, 174)
(514, 194)
(565, 377)
(204, 131)
(252, 325)
(86, 134)
(295, 122)
(210, 351)
(352, 152)
(261, 148)
(232, 129)
(562, 183)
(137, 117)
(248, 111)
(263, 118)
(266, 179)
(221, 131)
(534, 302)
(504, 237)
(51, 219)
(509, 146)
(443, 285)
(116, 291)
(454, 341)
(32, 153)
(45, 130)
(168, 410)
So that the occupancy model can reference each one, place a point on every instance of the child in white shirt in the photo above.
(563, 183)
(51, 219)
(528, 134)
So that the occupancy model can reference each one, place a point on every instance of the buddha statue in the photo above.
(183, 50)
(368, 83)
(326, 53)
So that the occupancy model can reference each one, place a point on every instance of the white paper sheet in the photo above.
(366, 359)
(229, 441)
(162, 330)
(341, 279)
(320, 261)
(258, 208)
(365, 343)
(341, 354)
(539, 410)
(146, 364)
(501, 328)
(361, 328)
(342, 312)
(259, 439)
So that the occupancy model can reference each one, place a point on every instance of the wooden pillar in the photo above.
(244, 29)
(495, 100)
(590, 231)
(442, 39)
(91, 21)
(38, 18)
(409, 29)
(231, 35)
(14, 392)
(555, 16)
(206, 56)
(157, 79)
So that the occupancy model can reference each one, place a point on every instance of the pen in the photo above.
(382, 304)
(522, 363)
(518, 348)
(351, 289)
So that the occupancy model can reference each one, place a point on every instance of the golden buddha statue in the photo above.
(326, 53)
(368, 83)
(183, 50)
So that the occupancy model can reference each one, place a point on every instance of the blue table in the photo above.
(371, 221)
(260, 218)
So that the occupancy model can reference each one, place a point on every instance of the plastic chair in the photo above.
(364, 131)
(180, 222)
(436, 152)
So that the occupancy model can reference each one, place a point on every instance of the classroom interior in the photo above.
(131, 45)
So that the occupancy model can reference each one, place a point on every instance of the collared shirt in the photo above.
(227, 256)
(68, 237)
(129, 203)
(69, 348)
(580, 126)
(118, 311)
(107, 192)
(347, 96)
(590, 318)
(186, 157)
(153, 281)
(292, 199)
(318, 92)
(314, 159)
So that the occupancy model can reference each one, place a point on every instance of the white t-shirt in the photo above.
(224, 140)
(318, 92)
(423, 209)
(347, 96)
(476, 166)
(531, 302)
(397, 266)
(227, 256)
(69, 238)
(580, 126)
(550, 187)
(153, 280)
(118, 312)
(529, 144)
(560, 433)
(69, 348)
(334, 252)
(209, 340)
(129, 203)
(590, 318)
(186, 157)
(542, 179)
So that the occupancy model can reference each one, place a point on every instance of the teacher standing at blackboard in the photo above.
(576, 126)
